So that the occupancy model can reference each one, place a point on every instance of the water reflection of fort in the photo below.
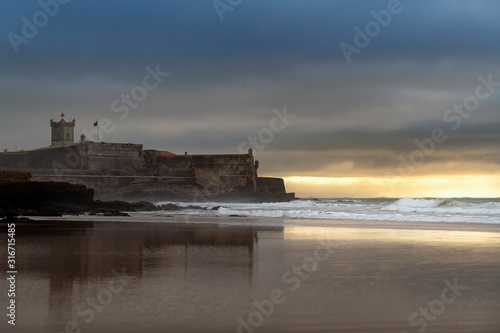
(71, 257)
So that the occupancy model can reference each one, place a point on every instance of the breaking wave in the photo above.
(413, 205)
(382, 209)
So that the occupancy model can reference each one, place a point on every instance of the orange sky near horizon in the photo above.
(477, 186)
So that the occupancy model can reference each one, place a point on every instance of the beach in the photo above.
(241, 274)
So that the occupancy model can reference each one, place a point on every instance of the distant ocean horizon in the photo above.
(453, 210)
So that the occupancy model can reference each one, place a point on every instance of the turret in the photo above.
(63, 132)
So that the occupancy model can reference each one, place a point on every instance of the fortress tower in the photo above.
(63, 132)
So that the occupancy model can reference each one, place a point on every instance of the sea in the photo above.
(299, 266)
(452, 210)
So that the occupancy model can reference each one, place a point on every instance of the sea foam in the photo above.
(464, 210)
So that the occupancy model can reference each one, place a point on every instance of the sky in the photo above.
(351, 98)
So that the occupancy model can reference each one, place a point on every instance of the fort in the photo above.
(125, 171)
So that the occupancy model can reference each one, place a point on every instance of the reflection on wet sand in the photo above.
(78, 261)
(172, 277)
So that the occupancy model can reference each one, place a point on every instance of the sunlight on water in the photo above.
(364, 235)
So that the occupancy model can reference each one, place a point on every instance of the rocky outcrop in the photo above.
(17, 191)
(21, 197)
(13, 176)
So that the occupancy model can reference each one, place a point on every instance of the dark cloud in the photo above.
(226, 78)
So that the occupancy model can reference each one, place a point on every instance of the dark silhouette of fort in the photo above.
(125, 171)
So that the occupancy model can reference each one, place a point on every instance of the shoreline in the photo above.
(245, 221)
(185, 270)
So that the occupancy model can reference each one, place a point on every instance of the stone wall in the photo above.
(122, 168)
(55, 157)
(216, 173)
(112, 158)
(45, 158)
(14, 161)
(270, 185)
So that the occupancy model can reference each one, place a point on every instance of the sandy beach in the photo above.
(236, 274)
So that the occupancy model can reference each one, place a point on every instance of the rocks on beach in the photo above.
(19, 196)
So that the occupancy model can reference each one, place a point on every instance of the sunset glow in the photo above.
(396, 187)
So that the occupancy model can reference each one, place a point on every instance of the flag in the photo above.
(95, 124)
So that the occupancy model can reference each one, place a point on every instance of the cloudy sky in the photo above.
(343, 98)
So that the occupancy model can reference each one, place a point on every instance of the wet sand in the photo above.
(208, 274)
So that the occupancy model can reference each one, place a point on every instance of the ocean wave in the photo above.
(405, 209)
(412, 205)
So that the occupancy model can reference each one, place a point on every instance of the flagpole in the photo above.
(96, 124)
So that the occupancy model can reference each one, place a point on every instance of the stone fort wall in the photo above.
(110, 166)
(87, 157)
